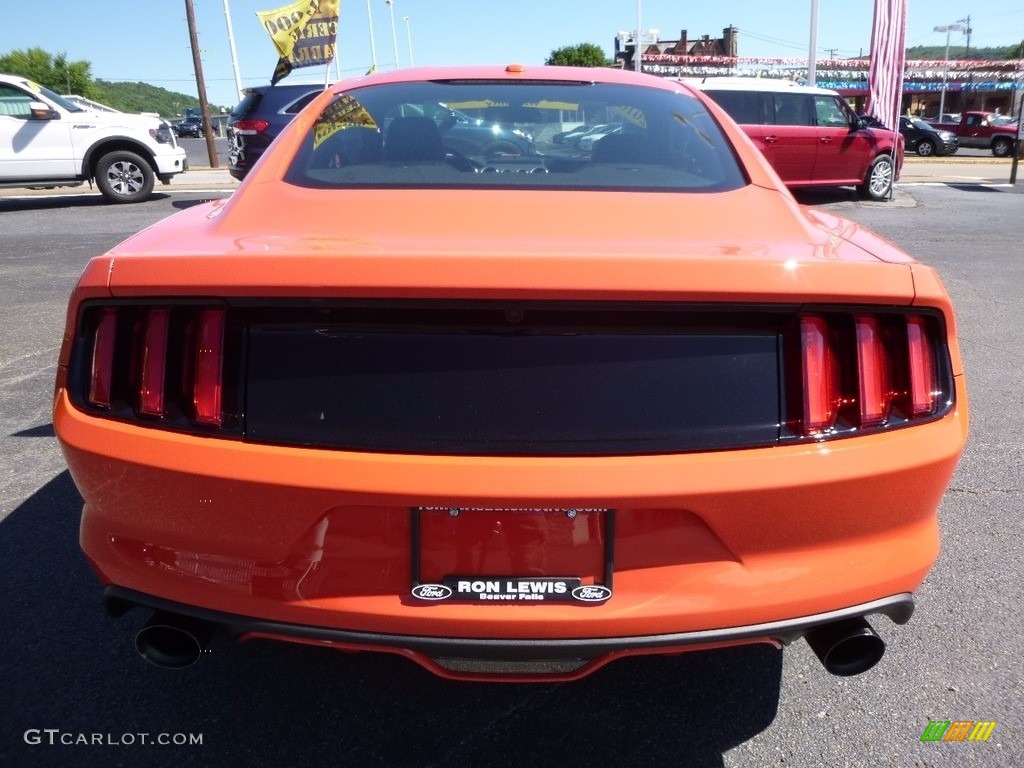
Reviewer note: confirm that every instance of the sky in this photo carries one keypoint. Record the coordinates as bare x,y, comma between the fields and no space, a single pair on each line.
151,43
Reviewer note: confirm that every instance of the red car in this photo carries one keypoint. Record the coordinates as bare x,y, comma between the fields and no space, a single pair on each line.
511,415
811,136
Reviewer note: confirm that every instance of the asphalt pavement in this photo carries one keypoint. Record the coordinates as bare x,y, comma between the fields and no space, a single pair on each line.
70,672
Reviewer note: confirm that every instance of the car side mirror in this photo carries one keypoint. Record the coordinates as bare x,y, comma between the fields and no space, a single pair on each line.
40,111
858,124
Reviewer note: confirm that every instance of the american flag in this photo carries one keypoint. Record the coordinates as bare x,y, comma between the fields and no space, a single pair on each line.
888,56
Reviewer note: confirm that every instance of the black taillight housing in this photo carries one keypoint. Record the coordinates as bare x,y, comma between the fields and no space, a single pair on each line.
173,365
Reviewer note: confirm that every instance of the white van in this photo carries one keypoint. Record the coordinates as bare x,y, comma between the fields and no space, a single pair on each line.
48,141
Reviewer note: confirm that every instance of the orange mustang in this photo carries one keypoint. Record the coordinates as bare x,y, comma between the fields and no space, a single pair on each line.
511,409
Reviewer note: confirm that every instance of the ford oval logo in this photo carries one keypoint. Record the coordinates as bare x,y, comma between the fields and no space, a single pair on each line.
431,592
592,593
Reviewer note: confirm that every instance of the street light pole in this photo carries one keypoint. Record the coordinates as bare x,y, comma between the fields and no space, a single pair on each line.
373,45
638,65
394,35
812,53
945,69
408,34
231,47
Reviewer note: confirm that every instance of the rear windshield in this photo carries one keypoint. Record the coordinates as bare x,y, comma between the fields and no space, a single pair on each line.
522,134
248,103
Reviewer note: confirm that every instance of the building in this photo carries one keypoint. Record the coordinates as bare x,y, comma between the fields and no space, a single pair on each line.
969,84
625,46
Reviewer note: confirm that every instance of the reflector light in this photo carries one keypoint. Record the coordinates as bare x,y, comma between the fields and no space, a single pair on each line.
924,378
102,372
209,356
820,376
874,388
154,363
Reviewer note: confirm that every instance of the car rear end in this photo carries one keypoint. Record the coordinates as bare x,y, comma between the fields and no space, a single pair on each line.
389,422
259,117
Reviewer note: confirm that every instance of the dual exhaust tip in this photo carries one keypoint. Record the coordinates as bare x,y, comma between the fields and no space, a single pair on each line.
846,647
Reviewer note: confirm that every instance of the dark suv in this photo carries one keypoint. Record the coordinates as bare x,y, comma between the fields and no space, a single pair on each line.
259,117
190,127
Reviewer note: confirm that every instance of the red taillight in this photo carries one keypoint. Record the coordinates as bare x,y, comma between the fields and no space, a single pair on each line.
873,380
863,370
153,363
209,357
820,376
102,369
923,376
250,127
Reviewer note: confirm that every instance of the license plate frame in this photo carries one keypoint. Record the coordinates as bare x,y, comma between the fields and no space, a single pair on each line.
514,589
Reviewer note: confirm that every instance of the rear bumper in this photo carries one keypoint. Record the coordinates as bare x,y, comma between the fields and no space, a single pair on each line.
321,538
899,608
488,658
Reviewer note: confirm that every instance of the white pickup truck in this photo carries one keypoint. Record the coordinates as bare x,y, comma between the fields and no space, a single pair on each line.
47,141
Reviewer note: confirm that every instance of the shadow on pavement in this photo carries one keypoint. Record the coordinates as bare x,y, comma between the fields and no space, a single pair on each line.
975,188
67,200
181,205
69,667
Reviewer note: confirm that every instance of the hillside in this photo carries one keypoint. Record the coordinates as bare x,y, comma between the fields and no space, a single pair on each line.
142,97
938,52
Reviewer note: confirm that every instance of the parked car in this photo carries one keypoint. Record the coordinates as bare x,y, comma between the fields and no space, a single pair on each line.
47,141
259,117
470,135
566,137
586,142
572,137
926,140
810,136
189,127
510,424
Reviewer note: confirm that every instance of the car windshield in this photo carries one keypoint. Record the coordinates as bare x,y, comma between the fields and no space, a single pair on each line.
67,104
436,134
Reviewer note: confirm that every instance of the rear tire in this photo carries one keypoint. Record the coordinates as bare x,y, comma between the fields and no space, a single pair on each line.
1002,147
124,177
878,181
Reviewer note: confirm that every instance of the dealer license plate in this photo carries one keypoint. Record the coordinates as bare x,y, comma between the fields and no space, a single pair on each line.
595,527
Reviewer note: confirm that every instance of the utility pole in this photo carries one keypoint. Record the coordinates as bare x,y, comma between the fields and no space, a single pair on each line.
967,29
197,62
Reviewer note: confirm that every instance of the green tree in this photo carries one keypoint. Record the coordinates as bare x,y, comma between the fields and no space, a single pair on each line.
143,97
582,55
961,52
52,71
